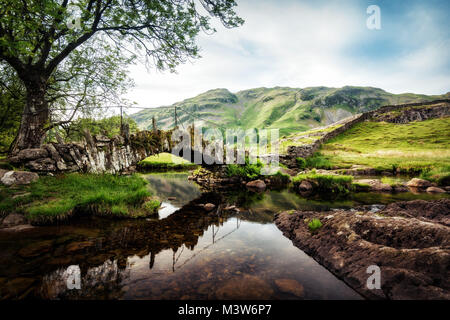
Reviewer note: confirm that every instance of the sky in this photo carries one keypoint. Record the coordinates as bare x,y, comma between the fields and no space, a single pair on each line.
305,43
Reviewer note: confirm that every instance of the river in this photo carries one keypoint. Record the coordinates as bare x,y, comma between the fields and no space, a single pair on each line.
184,253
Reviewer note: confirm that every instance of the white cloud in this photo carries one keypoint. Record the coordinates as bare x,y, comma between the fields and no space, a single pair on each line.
297,44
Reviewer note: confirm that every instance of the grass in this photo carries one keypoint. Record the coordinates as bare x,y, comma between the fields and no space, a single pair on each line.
165,161
393,182
440,175
409,148
51,199
317,161
326,183
314,224
248,171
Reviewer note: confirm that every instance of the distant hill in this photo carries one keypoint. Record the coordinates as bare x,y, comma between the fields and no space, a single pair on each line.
288,109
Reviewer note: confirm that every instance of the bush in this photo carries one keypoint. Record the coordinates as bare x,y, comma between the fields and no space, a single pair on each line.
314,225
246,171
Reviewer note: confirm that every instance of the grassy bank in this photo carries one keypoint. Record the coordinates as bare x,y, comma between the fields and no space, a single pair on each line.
416,147
51,199
324,183
164,162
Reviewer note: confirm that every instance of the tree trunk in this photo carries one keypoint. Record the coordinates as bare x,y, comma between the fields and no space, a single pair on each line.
34,118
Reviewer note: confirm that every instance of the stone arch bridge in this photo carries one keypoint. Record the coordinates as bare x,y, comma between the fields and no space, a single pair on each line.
100,154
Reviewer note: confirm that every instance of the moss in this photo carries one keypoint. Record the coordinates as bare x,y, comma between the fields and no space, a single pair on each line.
314,225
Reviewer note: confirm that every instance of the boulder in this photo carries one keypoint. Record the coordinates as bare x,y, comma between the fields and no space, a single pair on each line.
18,178
32,154
418,183
435,190
305,185
256,184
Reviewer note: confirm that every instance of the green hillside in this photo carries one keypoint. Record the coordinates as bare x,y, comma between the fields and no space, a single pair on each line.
288,109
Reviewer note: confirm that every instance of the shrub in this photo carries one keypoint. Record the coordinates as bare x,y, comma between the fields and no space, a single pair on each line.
152,205
247,171
314,224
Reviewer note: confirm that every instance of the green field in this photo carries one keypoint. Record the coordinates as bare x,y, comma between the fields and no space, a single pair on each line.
165,161
413,147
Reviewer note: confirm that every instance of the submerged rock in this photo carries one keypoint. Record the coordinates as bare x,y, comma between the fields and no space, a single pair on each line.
246,287
290,286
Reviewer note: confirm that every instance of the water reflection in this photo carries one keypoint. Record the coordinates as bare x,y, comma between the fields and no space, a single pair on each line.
186,254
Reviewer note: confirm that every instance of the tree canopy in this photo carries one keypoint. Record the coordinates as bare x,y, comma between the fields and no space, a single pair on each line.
51,42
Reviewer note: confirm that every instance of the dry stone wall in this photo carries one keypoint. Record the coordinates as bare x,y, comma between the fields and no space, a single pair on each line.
392,113
96,154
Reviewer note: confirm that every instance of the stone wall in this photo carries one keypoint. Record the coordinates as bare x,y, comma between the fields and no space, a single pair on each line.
96,154
100,154
408,112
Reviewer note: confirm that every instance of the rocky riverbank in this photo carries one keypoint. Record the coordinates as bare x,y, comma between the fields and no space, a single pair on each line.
409,241
216,179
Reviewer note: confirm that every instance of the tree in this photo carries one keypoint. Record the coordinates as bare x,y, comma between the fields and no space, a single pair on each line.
39,37
11,106
110,127
72,90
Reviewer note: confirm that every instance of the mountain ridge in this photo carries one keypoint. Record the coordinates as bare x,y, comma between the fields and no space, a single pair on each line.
288,109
